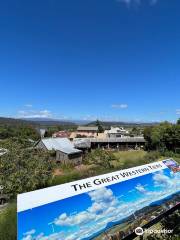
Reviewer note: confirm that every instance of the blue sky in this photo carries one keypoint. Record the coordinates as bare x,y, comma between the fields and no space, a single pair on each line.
89,59
87,213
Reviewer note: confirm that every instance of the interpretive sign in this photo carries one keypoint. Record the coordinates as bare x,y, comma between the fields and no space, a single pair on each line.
101,207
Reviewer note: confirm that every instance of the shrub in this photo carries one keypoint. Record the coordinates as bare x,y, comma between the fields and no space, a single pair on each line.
100,158
8,223
152,156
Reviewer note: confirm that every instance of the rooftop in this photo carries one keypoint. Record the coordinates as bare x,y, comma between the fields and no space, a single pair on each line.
61,144
116,140
87,128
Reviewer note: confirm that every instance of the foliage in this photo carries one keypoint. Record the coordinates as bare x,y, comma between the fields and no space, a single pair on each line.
81,136
8,225
127,159
152,156
100,158
23,169
52,129
100,127
136,131
20,131
163,137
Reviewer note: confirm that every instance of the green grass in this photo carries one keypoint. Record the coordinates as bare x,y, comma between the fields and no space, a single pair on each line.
129,159
121,160
8,222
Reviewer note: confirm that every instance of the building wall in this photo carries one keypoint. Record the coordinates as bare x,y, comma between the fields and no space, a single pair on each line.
87,133
114,135
41,145
65,158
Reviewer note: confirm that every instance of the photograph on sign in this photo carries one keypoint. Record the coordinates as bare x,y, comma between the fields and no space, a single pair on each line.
113,206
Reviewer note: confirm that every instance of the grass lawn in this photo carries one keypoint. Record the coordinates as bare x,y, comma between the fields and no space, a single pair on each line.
8,222
127,159
122,160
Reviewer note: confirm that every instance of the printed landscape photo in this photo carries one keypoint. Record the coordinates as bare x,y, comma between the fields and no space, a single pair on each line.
106,211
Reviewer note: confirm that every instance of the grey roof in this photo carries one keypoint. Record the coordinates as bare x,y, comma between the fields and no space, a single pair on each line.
61,144
120,140
82,143
85,128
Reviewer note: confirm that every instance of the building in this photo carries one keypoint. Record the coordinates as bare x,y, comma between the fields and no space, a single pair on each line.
65,150
82,143
86,131
121,143
61,134
116,132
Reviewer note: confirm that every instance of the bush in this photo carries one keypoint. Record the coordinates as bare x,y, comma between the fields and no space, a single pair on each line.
23,170
152,156
8,223
100,158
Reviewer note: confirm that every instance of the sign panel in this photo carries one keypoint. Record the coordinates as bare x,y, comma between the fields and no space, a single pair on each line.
100,207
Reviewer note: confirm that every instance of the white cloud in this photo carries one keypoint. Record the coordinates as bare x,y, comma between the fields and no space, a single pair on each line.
178,111
141,188
29,235
120,106
31,232
28,105
162,180
34,114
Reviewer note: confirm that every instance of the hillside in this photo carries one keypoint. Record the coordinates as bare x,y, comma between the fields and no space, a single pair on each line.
50,122
15,122
118,124
36,122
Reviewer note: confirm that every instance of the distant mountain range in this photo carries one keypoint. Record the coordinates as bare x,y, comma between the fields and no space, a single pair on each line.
14,121
49,121
125,124
56,122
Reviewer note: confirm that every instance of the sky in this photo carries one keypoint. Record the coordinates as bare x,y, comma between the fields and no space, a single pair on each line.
69,220
87,59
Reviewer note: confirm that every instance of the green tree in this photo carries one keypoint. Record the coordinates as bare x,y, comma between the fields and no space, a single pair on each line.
136,131
100,158
178,121
24,170
19,131
163,137
100,127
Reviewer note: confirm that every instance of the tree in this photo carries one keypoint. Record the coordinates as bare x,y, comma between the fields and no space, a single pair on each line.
135,131
19,131
100,127
100,158
163,137
178,121
23,169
